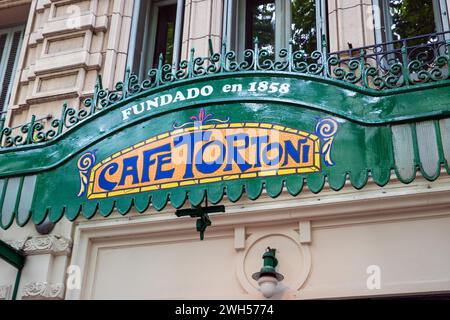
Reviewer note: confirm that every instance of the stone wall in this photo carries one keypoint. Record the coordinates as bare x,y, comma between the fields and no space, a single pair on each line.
67,45
202,21
350,22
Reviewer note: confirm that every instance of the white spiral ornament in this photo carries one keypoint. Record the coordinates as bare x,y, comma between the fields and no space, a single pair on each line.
85,164
327,129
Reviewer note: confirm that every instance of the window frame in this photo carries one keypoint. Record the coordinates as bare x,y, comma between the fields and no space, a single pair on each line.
154,11
234,24
10,31
383,19
148,23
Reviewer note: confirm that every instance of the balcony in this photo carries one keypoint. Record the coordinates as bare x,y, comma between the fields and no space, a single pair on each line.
384,68
401,63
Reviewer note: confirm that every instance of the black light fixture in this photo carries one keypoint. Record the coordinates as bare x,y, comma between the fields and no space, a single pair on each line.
201,213
268,277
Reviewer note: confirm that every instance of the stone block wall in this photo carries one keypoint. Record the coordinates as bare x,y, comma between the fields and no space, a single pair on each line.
67,45
350,22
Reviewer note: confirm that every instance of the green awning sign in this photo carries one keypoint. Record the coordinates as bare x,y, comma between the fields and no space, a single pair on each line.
225,135
198,153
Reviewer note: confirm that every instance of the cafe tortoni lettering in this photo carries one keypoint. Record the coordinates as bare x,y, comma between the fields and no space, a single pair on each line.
207,150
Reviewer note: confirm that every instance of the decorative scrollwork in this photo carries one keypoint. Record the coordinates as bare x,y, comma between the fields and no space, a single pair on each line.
43,291
400,63
85,164
201,119
326,130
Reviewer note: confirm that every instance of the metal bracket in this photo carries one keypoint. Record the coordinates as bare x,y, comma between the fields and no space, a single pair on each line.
202,213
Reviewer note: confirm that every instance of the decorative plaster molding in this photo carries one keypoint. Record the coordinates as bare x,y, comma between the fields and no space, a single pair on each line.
239,238
297,278
305,232
5,292
49,244
43,290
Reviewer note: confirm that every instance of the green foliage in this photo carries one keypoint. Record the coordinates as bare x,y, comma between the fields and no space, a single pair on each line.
304,31
411,18
264,25
303,24
168,55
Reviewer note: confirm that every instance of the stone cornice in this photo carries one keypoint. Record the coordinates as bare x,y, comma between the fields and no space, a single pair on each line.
43,290
50,244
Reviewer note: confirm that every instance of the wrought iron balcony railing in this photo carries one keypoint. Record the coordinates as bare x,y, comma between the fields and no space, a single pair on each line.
383,67
394,64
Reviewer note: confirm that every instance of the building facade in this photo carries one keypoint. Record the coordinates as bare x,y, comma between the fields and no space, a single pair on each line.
331,119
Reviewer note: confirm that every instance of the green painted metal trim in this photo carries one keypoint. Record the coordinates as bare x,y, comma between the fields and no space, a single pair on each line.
364,152
11,256
442,160
364,145
378,163
14,258
16,284
404,106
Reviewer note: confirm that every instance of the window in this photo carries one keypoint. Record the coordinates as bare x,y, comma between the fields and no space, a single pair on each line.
260,23
402,19
10,44
157,31
274,23
165,33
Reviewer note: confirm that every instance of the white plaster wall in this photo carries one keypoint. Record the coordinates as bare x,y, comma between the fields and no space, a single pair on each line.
202,21
350,21
183,270
403,230
413,257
